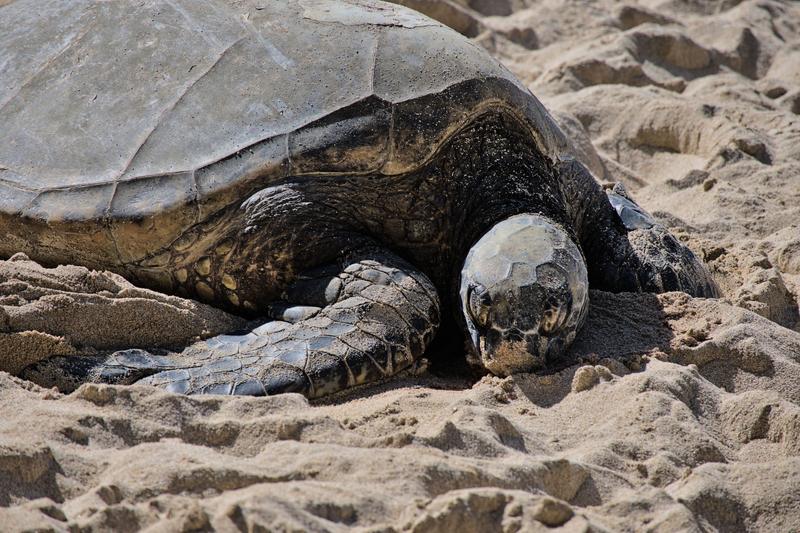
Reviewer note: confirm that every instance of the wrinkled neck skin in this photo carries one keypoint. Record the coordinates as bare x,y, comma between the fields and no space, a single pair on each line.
502,175
484,174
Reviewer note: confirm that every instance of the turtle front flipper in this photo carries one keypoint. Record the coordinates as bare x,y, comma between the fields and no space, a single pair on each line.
361,320
626,249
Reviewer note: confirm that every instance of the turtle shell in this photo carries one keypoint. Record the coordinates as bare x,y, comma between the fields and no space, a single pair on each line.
125,123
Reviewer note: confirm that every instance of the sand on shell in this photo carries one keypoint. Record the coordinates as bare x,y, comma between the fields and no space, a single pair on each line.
671,413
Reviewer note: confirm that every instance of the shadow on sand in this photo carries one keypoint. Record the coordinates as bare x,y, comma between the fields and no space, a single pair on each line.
619,329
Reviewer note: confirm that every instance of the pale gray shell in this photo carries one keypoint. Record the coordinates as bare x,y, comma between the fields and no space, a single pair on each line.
114,111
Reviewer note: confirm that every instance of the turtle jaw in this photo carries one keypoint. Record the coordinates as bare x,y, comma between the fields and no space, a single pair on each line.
523,293
503,354
508,352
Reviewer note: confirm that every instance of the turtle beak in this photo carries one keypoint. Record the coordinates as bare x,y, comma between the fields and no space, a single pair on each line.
476,341
472,331
508,352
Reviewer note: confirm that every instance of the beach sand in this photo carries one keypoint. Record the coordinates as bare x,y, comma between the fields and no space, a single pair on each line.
672,414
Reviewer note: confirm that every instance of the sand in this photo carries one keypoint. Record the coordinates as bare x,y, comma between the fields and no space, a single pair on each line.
670,414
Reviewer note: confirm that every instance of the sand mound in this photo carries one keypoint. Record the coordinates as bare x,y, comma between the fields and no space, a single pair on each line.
70,310
691,445
670,414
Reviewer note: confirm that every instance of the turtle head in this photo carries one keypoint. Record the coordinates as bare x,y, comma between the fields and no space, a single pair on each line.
524,293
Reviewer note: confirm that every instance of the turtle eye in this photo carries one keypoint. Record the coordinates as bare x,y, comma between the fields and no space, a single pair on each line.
551,320
479,302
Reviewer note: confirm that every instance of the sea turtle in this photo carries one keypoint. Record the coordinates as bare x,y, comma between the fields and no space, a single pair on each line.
352,170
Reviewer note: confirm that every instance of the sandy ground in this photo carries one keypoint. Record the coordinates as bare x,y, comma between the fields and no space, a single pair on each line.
676,414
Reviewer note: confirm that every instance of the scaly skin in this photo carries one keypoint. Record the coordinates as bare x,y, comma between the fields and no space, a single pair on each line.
326,251
640,256
381,316
249,253
275,244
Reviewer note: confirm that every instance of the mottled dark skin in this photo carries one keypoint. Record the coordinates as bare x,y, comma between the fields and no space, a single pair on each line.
360,271
484,174
621,259
354,177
